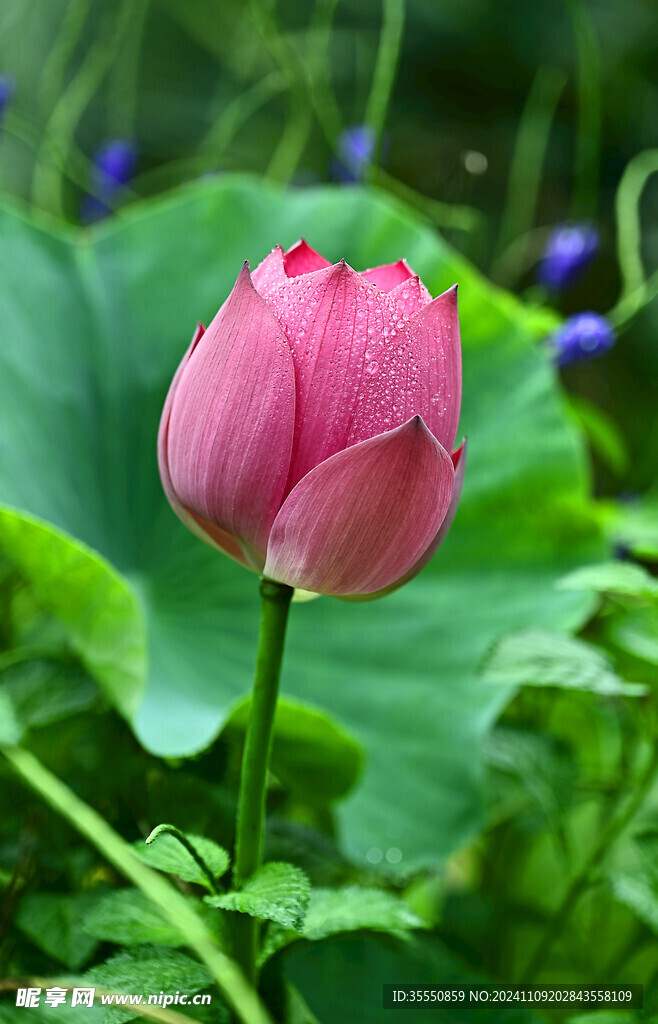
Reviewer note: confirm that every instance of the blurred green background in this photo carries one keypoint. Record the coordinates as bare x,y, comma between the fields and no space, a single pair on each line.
517,825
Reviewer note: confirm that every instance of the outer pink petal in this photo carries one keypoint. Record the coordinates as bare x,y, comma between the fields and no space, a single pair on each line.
459,462
416,370
201,528
302,259
364,517
389,275
231,424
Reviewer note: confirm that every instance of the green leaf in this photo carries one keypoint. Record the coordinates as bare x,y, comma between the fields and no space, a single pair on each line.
622,578
43,690
128,918
634,524
88,596
602,433
354,907
83,376
637,633
312,755
145,970
538,768
276,892
297,1011
11,730
54,922
167,853
638,890
538,658
348,909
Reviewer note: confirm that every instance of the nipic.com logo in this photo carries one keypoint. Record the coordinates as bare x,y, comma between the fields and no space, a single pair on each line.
30,998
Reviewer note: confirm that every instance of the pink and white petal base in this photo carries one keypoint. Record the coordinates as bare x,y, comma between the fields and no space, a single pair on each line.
459,462
230,429
362,519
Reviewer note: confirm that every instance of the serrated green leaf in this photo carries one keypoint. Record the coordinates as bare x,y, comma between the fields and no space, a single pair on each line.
355,907
612,578
312,755
537,657
127,918
349,909
148,969
277,892
54,922
166,853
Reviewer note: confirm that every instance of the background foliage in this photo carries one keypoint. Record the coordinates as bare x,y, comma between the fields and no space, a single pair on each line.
468,788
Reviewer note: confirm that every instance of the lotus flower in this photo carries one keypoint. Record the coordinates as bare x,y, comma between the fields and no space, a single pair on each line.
307,432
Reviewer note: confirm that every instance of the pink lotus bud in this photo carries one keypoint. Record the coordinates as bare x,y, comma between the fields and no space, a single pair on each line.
307,431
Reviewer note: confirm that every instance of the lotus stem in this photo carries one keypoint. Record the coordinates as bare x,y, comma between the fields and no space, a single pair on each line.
275,603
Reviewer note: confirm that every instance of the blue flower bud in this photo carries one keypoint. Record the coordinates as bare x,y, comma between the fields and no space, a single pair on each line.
569,251
7,89
113,166
581,337
355,150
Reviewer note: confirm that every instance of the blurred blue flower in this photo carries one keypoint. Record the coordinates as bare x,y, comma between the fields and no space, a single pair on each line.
7,89
569,251
113,166
354,152
581,337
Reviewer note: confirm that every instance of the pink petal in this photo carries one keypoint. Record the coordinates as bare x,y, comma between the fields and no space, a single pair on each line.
230,430
364,517
410,296
334,321
389,275
459,462
301,259
206,531
270,273
416,370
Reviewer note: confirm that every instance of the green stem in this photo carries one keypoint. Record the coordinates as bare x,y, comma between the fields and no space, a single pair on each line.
530,148
636,290
275,603
174,907
59,133
588,134
388,55
583,879
294,137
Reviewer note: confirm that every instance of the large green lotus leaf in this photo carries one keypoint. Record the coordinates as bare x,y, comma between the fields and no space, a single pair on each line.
92,327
